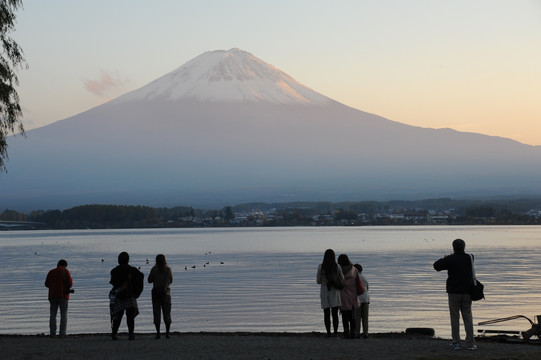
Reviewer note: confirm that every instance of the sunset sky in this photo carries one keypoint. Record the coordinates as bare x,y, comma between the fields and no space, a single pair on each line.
470,65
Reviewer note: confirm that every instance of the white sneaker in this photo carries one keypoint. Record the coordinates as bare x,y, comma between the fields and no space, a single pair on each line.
472,347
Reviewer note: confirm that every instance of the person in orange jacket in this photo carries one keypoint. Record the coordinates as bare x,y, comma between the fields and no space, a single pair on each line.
59,282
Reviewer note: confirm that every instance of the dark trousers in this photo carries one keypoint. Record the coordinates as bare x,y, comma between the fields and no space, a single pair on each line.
130,320
57,303
349,323
327,319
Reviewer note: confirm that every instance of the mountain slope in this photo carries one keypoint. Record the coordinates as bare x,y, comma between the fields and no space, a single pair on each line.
183,140
233,75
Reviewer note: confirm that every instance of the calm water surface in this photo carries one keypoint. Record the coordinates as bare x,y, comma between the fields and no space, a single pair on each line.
263,279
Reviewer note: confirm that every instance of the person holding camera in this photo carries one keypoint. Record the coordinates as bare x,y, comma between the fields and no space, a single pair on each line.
459,266
59,282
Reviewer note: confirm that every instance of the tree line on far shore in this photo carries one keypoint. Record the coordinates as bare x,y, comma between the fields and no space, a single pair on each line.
448,211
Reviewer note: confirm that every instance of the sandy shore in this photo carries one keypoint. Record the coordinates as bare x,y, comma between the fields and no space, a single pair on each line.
256,346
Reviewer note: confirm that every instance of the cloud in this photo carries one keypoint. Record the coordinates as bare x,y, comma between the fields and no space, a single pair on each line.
104,85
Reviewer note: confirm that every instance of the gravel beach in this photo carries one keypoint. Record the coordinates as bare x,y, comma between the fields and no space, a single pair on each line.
257,346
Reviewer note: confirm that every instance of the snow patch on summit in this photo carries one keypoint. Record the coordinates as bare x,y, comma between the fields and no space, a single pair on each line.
232,76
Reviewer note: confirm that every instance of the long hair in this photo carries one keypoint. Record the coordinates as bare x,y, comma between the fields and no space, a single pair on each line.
161,262
329,263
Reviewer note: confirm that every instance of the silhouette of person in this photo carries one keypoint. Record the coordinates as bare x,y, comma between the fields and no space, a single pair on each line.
59,282
459,285
361,313
330,276
348,295
161,277
123,296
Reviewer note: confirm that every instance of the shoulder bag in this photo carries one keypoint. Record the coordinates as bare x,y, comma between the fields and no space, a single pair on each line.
359,288
477,289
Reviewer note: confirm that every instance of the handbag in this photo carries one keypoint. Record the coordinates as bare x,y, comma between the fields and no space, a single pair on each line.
477,292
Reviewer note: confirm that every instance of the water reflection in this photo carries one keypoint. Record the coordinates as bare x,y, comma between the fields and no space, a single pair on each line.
264,279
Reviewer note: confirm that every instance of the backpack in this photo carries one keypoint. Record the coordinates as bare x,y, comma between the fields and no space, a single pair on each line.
137,281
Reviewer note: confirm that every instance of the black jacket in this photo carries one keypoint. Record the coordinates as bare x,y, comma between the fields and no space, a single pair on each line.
131,276
459,271
121,274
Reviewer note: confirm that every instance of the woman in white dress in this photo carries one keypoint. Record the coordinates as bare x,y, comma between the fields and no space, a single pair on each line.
330,276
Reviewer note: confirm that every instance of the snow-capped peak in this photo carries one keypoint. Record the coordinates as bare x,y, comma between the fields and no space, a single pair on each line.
233,76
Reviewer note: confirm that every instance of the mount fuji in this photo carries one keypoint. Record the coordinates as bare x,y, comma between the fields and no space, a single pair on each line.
228,128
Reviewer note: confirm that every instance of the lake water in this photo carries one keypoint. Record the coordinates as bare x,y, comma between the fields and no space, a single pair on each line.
263,279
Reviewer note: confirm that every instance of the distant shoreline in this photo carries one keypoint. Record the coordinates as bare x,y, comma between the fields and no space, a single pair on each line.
443,211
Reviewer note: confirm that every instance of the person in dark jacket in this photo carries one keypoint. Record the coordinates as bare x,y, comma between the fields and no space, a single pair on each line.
123,297
459,286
